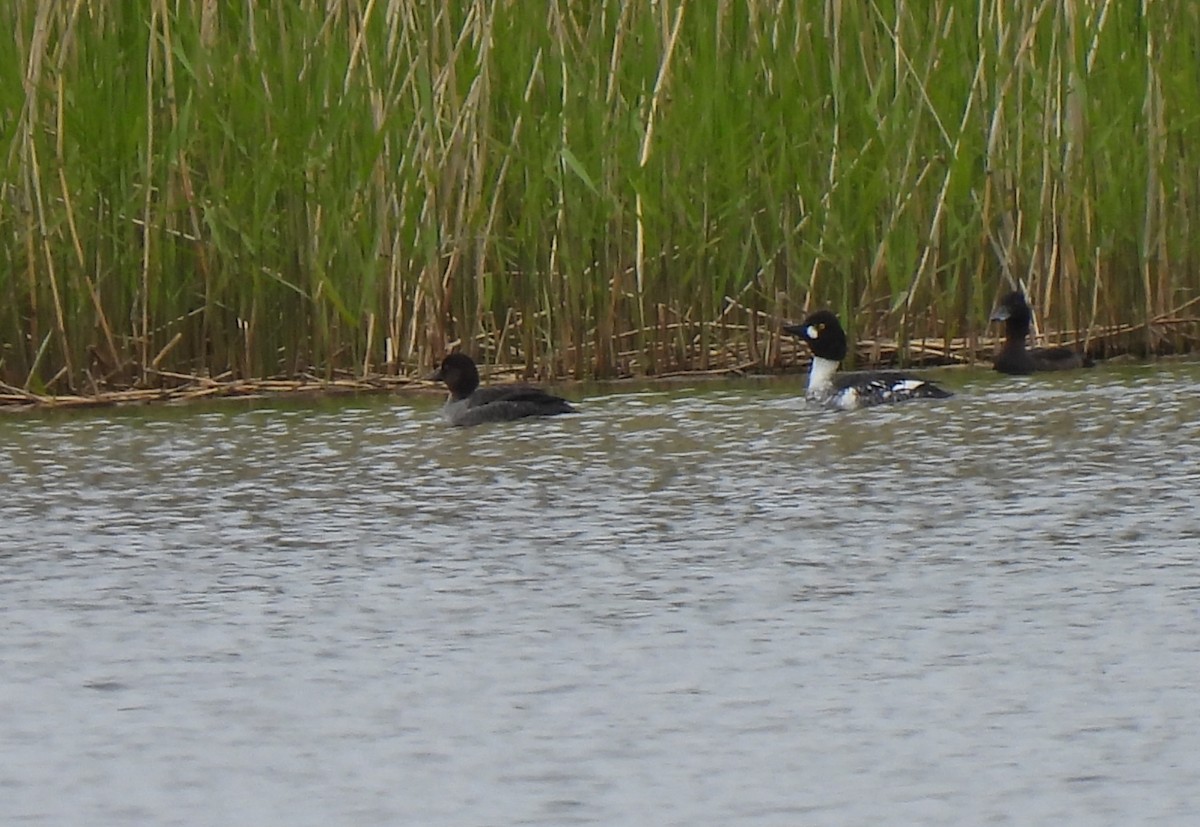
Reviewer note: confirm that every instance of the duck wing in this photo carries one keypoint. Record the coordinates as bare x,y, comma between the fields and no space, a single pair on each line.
880,387
504,403
519,394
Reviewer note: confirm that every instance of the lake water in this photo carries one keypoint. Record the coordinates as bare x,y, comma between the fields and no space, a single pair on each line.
700,605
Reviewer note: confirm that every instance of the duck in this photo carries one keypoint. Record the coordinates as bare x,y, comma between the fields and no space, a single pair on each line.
469,404
1013,357
848,391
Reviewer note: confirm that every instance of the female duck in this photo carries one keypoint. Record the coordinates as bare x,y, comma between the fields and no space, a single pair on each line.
470,404
1014,358
847,391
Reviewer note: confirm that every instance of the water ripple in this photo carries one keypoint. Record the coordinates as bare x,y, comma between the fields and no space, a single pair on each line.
686,605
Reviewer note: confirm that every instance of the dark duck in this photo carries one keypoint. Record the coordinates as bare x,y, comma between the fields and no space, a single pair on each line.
1014,358
848,391
469,404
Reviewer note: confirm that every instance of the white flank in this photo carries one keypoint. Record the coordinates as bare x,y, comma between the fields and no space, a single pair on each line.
847,400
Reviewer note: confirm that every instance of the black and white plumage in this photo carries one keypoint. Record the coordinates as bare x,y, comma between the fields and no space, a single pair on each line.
848,391
1013,357
470,404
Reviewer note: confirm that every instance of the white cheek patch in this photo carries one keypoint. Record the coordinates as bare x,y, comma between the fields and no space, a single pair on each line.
811,331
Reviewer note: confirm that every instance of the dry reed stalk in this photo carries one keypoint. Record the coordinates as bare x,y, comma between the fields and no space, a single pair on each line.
935,225
1152,232
196,388
644,157
35,187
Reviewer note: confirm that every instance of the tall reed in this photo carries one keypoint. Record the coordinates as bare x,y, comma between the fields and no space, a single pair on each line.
585,188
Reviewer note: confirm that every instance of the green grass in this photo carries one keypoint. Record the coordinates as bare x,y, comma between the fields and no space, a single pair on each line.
587,189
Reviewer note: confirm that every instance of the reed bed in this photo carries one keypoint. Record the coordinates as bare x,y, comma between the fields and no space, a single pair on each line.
589,189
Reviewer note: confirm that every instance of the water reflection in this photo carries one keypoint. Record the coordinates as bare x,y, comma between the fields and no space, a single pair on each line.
700,605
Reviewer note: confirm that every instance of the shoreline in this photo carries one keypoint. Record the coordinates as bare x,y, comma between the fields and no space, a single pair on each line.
191,389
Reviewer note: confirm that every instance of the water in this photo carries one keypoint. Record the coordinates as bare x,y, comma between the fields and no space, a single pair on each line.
694,606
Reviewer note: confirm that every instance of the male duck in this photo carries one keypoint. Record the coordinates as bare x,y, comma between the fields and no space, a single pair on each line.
848,391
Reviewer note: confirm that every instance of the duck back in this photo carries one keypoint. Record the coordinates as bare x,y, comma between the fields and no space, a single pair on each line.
1016,360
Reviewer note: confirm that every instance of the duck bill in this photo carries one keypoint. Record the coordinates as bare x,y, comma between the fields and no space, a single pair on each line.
1000,314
